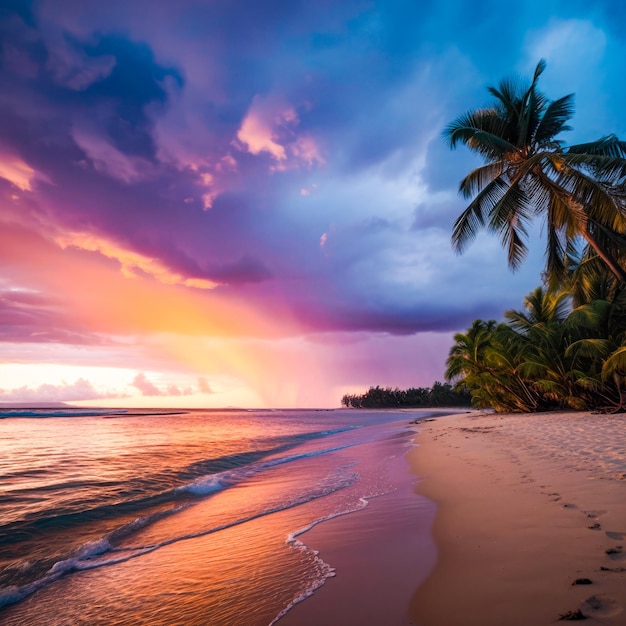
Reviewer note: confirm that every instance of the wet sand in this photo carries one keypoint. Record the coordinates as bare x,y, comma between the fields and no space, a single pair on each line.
380,554
527,507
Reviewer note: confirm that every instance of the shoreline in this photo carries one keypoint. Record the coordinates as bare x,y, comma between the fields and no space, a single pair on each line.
378,553
527,505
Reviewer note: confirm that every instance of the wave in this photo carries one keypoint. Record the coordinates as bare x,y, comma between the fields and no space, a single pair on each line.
85,412
60,412
106,550
198,479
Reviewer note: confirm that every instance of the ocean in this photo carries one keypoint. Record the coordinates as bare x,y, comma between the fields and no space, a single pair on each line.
194,517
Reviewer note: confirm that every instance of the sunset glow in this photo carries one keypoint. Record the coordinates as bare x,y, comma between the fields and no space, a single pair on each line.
201,206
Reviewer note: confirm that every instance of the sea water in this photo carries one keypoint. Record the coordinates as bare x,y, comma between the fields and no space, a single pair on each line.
195,517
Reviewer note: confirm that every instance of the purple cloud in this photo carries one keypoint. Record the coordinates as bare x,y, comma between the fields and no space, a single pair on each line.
290,157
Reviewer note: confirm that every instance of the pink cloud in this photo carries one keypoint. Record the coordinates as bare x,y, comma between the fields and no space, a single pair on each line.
270,126
203,385
145,386
305,149
81,389
19,173
257,132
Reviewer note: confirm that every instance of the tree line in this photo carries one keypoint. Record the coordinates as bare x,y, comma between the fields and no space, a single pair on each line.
440,394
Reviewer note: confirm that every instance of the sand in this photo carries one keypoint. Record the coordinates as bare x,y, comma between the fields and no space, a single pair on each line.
527,505
380,554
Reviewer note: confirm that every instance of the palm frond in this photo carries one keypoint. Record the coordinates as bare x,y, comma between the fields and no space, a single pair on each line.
615,364
597,199
478,178
607,169
481,131
468,224
590,348
539,70
556,256
508,217
554,119
590,315
609,146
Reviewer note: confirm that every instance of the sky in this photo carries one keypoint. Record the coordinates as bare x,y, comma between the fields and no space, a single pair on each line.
221,203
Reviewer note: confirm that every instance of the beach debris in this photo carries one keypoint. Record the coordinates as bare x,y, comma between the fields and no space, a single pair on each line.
614,551
582,581
595,526
572,616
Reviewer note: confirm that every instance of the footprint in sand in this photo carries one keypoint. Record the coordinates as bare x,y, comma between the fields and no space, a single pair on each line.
616,536
619,570
600,606
616,553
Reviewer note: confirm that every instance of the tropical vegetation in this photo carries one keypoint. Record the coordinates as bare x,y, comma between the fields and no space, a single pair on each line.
528,171
440,394
567,348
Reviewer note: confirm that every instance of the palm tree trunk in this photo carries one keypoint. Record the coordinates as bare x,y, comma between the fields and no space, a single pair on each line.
617,271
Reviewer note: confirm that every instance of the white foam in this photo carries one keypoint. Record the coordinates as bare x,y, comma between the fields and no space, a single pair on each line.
12,594
324,570
204,486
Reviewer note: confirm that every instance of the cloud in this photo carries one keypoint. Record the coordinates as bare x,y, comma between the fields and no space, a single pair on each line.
17,172
107,159
203,385
132,263
31,317
257,130
260,174
145,386
71,67
270,126
81,389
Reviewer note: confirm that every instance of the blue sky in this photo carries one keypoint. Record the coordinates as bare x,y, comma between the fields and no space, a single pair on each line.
217,203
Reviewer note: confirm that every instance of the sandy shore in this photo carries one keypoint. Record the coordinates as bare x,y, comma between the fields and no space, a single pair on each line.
528,506
380,553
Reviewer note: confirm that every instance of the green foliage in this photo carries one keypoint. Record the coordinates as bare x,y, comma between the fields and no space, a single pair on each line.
529,172
563,351
567,348
440,394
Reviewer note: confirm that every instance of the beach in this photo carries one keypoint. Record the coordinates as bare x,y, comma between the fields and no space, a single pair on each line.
531,519
502,519
301,518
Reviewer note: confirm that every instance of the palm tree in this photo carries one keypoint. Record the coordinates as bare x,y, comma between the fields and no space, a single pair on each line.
546,336
483,361
528,171
599,348
467,355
